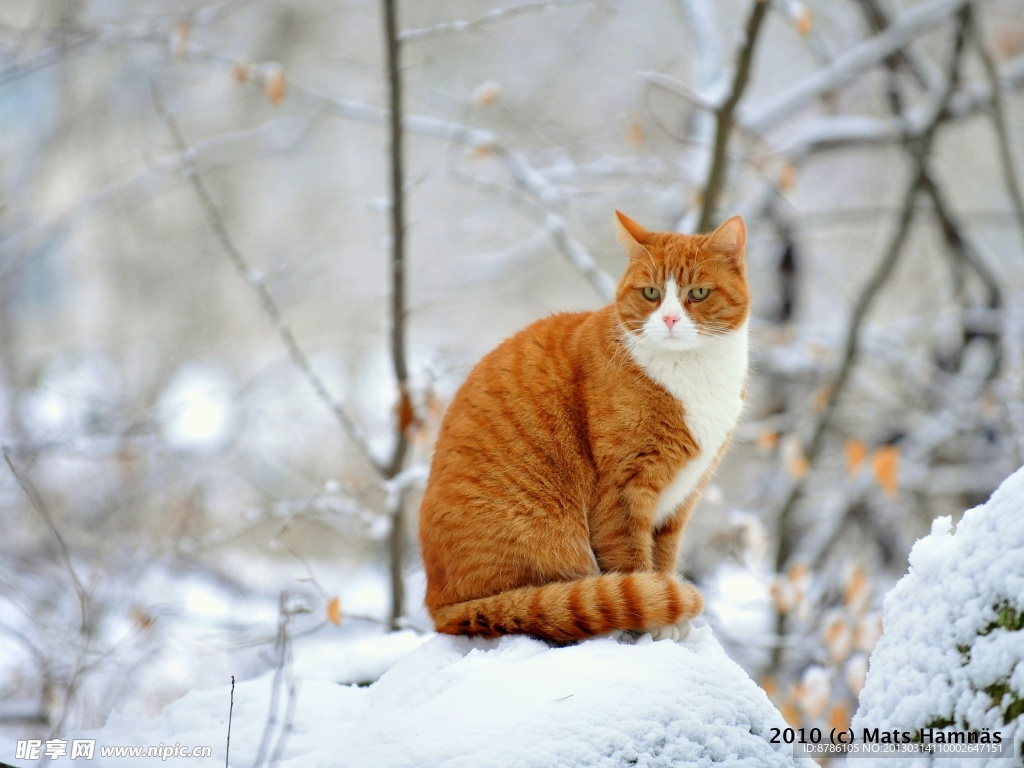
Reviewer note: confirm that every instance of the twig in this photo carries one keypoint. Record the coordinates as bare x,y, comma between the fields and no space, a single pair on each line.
997,112
961,247
289,723
255,282
495,16
37,503
231,712
724,115
683,90
284,617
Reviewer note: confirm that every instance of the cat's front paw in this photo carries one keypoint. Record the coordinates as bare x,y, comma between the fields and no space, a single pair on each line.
676,632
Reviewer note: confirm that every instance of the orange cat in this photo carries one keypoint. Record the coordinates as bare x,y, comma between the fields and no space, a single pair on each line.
571,457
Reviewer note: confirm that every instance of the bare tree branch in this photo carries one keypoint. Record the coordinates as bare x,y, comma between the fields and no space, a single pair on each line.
65,555
254,281
998,114
404,415
397,210
919,147
724,115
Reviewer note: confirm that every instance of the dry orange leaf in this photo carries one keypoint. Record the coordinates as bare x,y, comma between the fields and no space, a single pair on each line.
781,592
790,713
793,456
769,686
856,452
486,93
822,398
856,590
798,467
768,440
798,573
274,82
803,21
869,629
406,414
839,717
1009,40
886,462
635,134
179,39
813,692
241,71
856,672
334,611
787,176
838,639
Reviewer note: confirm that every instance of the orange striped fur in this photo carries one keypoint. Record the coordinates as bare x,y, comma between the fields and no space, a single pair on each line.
569,460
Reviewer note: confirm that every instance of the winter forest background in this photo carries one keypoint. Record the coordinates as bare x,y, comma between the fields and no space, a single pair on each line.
217,405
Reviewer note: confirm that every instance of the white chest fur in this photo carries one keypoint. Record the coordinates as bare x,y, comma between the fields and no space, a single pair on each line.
708,381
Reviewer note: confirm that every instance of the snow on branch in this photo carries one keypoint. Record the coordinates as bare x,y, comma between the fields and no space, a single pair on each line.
997,111
280,134
848,65
494,17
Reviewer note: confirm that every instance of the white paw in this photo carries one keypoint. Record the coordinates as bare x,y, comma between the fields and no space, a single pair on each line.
675,632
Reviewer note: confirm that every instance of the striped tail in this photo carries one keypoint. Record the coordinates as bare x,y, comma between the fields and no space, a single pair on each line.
574,610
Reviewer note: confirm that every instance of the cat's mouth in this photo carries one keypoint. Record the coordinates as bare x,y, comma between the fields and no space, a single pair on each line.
672,339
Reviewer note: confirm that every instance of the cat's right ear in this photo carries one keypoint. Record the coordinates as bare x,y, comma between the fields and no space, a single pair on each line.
631,235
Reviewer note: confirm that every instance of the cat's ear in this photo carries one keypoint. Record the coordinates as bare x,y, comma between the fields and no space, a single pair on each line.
728,241
631,235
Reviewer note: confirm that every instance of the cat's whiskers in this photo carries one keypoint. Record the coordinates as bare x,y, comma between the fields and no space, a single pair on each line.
627,343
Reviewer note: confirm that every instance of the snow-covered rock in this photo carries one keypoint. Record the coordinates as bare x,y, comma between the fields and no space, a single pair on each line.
951,657
511,702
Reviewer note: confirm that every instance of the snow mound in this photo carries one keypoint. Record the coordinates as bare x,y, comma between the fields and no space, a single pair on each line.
951,657
515,701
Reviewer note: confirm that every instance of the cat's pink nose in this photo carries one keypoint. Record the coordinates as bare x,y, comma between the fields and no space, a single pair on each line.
670,320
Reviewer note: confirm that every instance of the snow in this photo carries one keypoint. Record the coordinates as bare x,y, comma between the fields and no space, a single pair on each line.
942,646
455,701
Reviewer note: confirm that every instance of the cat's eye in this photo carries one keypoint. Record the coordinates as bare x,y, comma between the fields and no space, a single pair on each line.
699,294
651,293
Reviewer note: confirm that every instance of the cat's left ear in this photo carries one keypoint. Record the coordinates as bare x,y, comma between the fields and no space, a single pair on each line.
728,241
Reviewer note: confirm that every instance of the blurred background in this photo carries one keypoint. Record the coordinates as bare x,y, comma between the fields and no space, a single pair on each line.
213,445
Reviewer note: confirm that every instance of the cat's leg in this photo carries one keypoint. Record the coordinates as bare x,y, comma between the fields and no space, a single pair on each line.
621,529
666,555
667,537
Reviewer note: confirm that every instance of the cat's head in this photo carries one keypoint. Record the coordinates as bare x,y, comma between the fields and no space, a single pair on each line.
682,292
